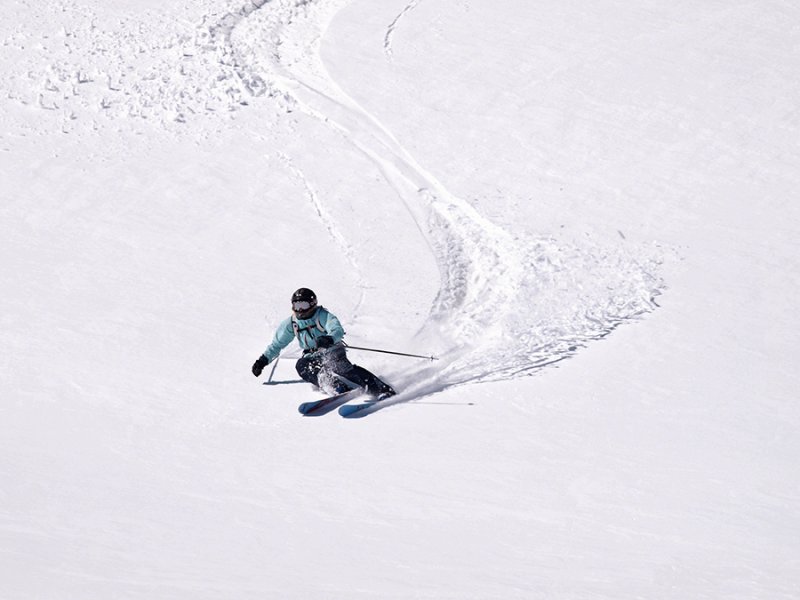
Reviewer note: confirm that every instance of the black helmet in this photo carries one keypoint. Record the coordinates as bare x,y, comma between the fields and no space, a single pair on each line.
304,301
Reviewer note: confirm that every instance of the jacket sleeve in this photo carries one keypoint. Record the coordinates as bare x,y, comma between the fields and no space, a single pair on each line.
283,336
333,327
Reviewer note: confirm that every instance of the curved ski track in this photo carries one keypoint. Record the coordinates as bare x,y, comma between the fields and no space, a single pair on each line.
387,39
506,307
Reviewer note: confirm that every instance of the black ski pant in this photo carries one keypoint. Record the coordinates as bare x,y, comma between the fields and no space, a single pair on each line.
331,368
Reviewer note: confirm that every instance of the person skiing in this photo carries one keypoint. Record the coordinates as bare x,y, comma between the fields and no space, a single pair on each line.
324,362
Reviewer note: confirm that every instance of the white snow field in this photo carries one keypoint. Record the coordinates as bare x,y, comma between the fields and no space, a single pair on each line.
587,210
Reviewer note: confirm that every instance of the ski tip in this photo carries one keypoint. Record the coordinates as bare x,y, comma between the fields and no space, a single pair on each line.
354,411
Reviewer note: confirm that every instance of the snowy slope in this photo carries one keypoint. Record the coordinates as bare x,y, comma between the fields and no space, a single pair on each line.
583,209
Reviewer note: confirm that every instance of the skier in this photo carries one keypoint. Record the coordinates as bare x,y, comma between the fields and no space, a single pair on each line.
324,362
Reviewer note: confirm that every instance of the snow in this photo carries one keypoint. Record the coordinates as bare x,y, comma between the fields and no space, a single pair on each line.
583,208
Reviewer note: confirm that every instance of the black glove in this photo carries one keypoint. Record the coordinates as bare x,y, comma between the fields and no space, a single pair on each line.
259,365
324,341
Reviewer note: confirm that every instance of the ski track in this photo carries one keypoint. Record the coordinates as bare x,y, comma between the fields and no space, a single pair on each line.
506,307
390,31
331,227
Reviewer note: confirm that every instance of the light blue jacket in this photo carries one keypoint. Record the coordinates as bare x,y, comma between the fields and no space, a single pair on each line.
306,331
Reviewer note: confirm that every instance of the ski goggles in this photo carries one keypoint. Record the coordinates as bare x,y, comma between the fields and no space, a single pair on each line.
302,305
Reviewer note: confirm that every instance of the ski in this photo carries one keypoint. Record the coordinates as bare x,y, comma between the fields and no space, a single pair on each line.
318,408
356,411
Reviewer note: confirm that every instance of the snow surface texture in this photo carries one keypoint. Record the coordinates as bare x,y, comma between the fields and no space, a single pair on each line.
500,184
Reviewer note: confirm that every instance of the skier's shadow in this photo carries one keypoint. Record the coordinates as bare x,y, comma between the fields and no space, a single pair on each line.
283,382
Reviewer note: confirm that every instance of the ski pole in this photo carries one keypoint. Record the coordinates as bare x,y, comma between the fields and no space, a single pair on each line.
274,366
390,352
